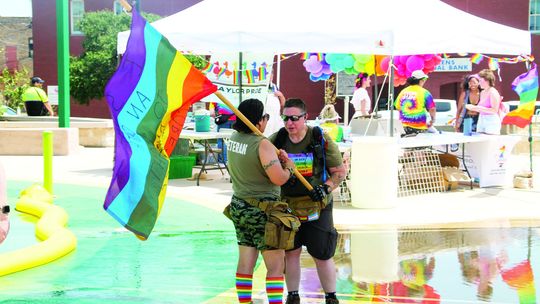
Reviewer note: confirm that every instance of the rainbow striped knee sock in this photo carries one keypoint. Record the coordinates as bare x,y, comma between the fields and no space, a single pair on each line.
274,289
243,287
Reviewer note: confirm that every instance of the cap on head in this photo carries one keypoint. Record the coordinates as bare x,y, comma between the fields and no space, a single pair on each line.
36,79
329,113
419,74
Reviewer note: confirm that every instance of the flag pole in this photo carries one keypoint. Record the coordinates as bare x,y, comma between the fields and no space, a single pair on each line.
126,5
256,131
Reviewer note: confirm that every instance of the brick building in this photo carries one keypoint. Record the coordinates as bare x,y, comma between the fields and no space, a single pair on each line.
15,35
295,82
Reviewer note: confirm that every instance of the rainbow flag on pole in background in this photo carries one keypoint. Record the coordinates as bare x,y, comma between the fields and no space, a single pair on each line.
149,96
526,85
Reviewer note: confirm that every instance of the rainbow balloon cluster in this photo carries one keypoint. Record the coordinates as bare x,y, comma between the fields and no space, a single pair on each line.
321,66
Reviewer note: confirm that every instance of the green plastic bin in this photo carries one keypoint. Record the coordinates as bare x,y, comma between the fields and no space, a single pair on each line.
181,166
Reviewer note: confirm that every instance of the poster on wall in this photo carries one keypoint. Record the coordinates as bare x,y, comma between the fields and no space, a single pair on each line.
52,94
224,71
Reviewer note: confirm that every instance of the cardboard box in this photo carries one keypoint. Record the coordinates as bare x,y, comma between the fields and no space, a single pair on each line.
453,177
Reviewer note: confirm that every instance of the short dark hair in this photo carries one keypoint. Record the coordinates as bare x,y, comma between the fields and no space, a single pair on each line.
253,110
295,103
412,81
465,83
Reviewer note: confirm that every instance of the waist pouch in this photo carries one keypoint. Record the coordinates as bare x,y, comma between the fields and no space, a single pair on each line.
281,225
305,209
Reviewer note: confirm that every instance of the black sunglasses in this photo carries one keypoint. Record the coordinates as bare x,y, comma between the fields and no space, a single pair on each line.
266,116
292,117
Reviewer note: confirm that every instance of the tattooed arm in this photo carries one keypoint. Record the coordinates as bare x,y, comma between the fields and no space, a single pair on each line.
337,175
271,164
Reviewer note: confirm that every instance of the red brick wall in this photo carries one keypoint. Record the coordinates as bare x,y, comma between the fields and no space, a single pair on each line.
294,79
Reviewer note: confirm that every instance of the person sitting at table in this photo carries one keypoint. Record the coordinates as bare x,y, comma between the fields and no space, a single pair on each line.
489,105
470,94
330,119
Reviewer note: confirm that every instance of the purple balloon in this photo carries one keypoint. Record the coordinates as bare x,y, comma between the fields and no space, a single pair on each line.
313,65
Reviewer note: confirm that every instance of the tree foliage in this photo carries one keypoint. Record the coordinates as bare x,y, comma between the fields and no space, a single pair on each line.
90,71
12,86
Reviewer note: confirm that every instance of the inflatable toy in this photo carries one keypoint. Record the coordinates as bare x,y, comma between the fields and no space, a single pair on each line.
56,240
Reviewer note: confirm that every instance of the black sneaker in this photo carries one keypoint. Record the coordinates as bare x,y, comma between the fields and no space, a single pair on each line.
332,301
293,299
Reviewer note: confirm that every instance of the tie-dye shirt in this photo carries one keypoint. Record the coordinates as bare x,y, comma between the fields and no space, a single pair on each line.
412,104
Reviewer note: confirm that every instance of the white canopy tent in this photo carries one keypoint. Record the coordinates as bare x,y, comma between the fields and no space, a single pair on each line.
385,27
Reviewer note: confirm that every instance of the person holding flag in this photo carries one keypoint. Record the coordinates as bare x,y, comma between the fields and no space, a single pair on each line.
256,174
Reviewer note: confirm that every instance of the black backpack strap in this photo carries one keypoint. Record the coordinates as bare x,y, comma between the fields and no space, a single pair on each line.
319,146
280,139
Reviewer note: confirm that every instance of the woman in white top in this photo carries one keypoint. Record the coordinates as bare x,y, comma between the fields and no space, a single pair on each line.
360,99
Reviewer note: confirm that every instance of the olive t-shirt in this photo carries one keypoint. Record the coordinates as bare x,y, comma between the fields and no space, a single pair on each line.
249,179
303,157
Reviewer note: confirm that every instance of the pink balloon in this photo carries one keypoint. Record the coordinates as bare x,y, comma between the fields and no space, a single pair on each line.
430,64
427,57
384,63
415,63
401,71
437,59
403,59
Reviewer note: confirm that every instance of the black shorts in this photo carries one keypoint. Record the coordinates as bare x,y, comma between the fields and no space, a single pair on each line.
319,237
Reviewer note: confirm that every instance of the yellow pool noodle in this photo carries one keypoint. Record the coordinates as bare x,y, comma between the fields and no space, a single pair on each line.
57,241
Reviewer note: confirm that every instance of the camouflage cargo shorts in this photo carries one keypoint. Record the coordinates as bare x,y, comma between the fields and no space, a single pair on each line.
249,224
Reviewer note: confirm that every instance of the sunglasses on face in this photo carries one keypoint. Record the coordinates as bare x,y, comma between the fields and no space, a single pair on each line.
292,117
266,116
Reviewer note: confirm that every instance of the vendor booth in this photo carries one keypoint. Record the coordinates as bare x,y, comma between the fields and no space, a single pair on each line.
394,27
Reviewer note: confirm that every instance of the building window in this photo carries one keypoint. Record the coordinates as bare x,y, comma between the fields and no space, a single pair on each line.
76,15
534,16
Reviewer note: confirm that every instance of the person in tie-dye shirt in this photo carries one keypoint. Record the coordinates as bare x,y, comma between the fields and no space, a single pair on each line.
414,103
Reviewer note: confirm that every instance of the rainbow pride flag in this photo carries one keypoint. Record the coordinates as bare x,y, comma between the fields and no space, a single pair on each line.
477,58
149,96
526,86
521,278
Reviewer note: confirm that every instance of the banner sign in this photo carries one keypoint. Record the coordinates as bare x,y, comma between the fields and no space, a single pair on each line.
224,71
454,65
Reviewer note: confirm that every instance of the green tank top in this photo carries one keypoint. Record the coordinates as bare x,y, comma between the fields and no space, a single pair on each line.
249,180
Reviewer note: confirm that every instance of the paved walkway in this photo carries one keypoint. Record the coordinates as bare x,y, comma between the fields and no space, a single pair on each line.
461,208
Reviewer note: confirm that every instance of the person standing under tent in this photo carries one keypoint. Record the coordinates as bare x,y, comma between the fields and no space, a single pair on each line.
470,94
256,175
360,100
489,105
413,102
318,159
